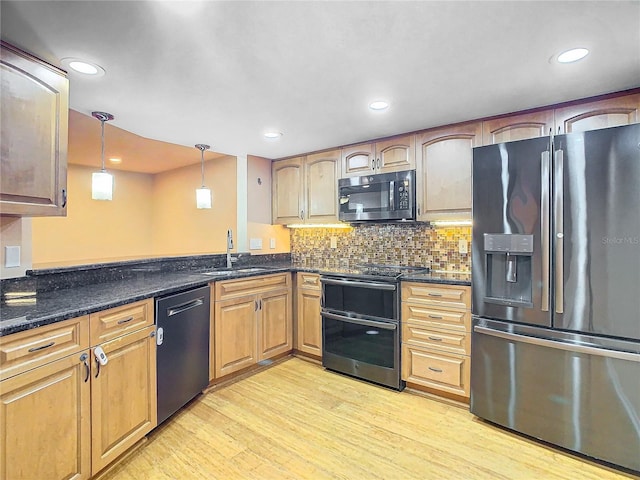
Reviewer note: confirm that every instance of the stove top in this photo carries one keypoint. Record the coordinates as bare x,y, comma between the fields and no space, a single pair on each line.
379,271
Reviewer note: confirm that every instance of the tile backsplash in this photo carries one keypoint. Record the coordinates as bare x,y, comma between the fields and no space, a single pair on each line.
397,244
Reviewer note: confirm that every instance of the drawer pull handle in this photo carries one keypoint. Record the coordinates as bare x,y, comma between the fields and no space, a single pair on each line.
437,370
437,317
435,339
42,347
435,294
125,320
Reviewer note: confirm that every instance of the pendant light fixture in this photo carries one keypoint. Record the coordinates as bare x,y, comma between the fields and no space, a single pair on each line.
102,182
203,194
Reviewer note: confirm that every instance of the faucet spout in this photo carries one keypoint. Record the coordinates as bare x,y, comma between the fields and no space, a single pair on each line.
229,247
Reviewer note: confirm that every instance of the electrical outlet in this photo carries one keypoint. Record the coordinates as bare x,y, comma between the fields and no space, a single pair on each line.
463,246
272,243
12,256
334,242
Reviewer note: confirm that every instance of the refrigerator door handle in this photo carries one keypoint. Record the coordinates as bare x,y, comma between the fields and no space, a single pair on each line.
558,180
544,228
570,347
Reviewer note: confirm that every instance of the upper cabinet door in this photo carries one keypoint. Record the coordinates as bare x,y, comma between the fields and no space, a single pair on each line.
287,192
35,110
517,127
601,114
443,171
396,154
321,175
358,160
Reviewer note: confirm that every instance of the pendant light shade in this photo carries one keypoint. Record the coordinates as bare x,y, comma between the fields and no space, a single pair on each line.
203,194
102,181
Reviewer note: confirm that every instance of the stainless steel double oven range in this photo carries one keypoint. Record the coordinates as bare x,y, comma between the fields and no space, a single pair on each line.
361,323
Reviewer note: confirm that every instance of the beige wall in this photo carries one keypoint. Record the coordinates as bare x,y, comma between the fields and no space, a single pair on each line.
96,230
150,215
179,228
259,208
15,232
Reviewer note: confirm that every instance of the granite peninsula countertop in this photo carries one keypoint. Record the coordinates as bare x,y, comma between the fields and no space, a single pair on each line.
68,301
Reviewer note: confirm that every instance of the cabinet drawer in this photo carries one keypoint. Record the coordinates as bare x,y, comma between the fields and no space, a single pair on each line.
449,296
308,280
437,338
112,323
23,351
441,371
251,285
429,317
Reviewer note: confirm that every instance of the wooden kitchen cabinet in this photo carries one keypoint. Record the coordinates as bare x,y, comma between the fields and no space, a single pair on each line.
34,111
45,430
385,156
123,396
610,112
443,171
252,321
517,127
308,318
305,189
235,335
436,338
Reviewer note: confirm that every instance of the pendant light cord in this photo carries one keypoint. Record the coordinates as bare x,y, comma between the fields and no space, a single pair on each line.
102,122
202,164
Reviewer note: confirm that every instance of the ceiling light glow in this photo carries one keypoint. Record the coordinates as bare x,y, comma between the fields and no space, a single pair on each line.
82,66
272,135
379,105
115,160
573,55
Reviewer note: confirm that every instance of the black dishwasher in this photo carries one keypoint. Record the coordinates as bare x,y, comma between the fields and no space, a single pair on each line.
183,348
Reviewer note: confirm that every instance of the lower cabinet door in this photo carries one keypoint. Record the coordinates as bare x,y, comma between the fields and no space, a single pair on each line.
123,396
45,426
235,334
275,328
309,322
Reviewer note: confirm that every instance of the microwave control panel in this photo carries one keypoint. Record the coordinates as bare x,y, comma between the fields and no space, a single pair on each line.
403,195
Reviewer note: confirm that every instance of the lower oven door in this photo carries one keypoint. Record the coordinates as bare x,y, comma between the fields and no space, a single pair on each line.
364,348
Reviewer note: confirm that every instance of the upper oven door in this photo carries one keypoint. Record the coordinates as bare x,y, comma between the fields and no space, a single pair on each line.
361,298
388,196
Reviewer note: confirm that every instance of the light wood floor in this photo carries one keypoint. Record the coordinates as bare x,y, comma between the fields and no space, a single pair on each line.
296,421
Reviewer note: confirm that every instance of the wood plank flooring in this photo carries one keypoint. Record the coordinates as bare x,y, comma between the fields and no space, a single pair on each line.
298,421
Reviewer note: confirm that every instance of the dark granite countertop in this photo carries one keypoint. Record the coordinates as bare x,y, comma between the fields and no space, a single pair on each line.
56,305
66,300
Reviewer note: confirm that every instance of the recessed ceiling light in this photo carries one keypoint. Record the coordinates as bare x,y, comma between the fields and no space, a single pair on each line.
272,135
82,66
573,55
115,160
379,105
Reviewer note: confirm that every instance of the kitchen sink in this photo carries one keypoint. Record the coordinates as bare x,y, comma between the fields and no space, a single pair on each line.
235,270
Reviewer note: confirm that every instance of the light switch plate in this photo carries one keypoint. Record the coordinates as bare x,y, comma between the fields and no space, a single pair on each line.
272,243
462,246
12,256
255,244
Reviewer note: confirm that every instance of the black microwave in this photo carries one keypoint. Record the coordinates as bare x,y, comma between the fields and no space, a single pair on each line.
382,197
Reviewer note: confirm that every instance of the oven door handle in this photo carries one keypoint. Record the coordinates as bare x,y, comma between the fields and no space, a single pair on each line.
361,321
357,283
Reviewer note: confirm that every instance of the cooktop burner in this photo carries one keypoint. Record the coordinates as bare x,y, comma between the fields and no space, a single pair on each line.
374,270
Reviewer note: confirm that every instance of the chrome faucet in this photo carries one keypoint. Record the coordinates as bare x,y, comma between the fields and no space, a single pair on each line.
230,260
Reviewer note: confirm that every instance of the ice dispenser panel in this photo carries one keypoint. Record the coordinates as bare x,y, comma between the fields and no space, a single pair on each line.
508,269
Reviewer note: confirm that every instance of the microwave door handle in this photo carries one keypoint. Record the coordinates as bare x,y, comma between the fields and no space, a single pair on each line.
392,195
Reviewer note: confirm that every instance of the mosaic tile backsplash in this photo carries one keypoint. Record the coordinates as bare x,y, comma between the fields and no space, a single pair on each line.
417,244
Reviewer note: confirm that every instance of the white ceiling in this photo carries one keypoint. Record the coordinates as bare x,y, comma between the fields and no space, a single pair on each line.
224,72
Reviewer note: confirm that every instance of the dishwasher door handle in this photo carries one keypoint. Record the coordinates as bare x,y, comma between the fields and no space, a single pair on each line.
183,307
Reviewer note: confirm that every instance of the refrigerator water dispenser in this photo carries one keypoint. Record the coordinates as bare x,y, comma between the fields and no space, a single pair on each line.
508,269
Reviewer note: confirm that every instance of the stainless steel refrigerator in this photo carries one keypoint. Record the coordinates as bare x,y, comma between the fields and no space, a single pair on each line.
556,290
